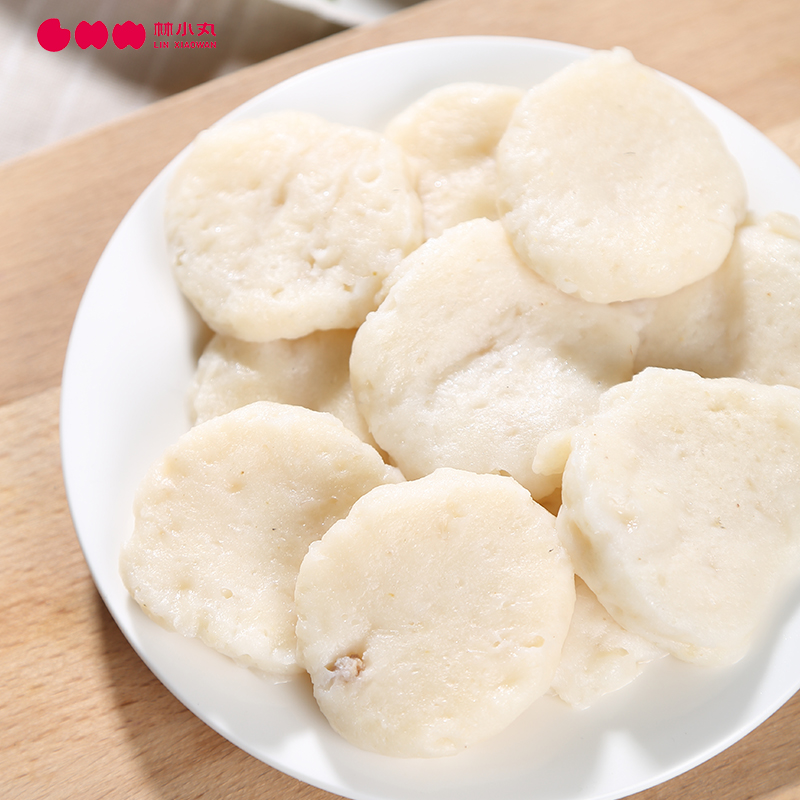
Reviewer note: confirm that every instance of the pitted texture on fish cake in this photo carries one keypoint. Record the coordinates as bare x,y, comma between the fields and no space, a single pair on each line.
742,321
224,519
472,358
599,656
434,613
451,134
680,508
613,185
313,372
287,224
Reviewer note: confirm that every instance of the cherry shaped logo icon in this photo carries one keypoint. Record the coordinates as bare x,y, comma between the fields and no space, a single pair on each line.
129,33
52,36
95,35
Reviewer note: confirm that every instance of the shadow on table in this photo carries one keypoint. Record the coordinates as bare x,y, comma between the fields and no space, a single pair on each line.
181,756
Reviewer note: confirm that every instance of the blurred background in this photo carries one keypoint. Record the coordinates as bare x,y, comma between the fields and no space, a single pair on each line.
47,96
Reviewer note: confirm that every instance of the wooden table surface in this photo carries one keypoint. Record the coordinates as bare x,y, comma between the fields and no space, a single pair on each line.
80,714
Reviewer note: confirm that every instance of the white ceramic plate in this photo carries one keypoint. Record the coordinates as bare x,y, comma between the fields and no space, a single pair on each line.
129,362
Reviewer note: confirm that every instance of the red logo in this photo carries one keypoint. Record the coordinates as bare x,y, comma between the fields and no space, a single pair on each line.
95,35
128,34
52,36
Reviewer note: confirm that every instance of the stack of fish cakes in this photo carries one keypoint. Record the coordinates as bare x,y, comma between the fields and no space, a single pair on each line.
461,437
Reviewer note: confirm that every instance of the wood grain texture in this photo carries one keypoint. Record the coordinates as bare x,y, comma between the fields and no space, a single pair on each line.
82,717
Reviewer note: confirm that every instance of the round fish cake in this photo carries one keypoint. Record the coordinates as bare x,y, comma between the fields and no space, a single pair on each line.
613,185
451,134
599,656
742,321
224,519
681,508
313,371
287,224
434,613
472,358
